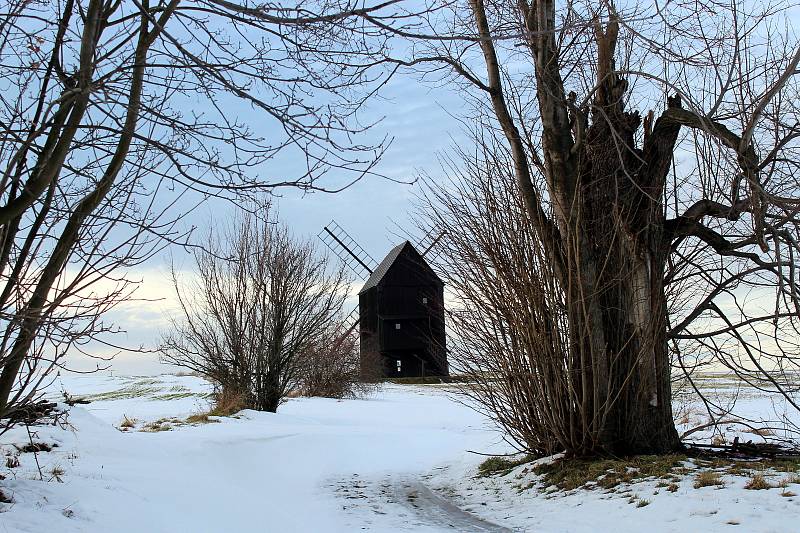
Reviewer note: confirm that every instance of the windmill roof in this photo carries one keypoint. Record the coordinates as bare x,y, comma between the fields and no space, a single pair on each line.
383,267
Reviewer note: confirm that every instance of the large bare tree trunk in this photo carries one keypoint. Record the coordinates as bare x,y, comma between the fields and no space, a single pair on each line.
605,239
611,224
615,225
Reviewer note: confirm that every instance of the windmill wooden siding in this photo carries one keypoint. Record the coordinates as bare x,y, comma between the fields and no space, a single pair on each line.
401,309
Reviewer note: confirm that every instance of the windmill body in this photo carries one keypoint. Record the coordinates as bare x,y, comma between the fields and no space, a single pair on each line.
400,313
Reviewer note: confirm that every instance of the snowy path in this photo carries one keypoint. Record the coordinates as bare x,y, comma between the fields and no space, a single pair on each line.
262,472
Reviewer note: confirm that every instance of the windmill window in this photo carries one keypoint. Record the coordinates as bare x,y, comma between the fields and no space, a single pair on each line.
397,326
424,300
399,365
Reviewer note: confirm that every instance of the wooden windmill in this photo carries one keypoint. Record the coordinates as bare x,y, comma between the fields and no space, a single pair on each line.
400,313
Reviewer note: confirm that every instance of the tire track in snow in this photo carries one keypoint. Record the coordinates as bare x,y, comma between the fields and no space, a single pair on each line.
408,502
436,510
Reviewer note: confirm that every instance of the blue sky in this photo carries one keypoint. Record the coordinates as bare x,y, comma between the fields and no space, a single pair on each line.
418,118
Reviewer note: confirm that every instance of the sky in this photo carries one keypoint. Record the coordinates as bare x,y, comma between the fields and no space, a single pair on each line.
419,118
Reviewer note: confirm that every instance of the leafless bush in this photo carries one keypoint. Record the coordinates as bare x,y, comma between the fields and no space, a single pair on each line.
263,300
372,367
331,368
507,318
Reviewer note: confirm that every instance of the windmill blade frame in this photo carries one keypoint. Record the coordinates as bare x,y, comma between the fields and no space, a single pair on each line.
349,252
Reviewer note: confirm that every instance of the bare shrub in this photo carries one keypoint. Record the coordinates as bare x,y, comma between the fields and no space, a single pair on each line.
262,300
508,317
372,367
331,367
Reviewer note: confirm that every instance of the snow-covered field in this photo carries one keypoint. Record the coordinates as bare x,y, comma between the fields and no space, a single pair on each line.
400,460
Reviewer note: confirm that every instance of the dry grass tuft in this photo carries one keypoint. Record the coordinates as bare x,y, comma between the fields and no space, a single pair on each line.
708,478
57,474
227,403
758,482
36,447
793,479
718,440
201,418
762,432
157,426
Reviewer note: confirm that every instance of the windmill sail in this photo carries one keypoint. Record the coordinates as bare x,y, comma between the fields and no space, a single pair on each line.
354,257
425,246
349,252
431,242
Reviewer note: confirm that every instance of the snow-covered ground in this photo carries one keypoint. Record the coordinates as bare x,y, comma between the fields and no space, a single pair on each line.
400,460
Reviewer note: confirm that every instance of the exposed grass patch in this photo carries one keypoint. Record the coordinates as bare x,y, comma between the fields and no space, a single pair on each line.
708,478
151,388
201,418
758,482
643,503
157,426
135,390
429,380
569,474
786,465
746,468
174,396
12,461
501,465
788,494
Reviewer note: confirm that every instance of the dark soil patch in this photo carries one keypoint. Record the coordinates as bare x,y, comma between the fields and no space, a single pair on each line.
36,447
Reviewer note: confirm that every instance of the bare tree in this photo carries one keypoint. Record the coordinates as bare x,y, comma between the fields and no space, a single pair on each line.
670,236
261,304
118,117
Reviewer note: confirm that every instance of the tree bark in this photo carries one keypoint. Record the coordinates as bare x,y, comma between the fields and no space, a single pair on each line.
617,305
608,225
